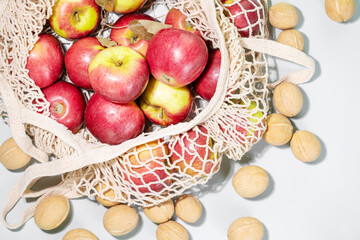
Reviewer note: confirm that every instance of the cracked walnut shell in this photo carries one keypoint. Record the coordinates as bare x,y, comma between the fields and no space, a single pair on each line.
160,213
279,130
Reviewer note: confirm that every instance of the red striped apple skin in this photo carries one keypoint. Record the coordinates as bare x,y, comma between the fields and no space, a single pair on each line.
176,57
148,161
113,123
67,104
125,37
178,20
195,155
78,59
74,19
45,61
120,74
205,86
245,21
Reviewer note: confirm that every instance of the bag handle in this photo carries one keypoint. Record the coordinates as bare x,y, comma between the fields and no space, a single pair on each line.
14,197
285,52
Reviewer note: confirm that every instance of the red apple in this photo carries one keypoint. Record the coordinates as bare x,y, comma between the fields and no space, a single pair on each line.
245,15
78,59
193,153
125,37
73,19
120,74
176,57
205,86
45,61
128,6
113,123
67,104
165,105
146,167
178,20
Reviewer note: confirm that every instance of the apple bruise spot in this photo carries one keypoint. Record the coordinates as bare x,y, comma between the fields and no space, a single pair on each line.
168,78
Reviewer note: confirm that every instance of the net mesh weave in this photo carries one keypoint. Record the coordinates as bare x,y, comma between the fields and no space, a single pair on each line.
154,172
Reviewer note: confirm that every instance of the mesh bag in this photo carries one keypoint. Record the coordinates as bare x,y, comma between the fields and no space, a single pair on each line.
161,163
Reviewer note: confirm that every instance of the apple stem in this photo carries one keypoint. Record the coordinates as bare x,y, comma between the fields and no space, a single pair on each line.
77,17
161,114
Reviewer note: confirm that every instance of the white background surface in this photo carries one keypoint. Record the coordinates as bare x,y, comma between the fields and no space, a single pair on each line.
319,201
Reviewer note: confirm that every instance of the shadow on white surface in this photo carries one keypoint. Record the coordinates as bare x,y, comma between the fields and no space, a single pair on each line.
306,106
255,154
356,16
266,233
301,18
217,182
20,170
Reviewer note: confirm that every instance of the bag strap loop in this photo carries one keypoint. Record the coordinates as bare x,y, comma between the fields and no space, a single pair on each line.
285,52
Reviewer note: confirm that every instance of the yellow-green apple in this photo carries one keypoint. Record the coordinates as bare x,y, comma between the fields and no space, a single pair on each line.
165,105
73,19
176,57
193,153
78,59
67,104
121,34
178,20
246,128
113,123
146,167
45,61
128,6
206,84
245,14
120,74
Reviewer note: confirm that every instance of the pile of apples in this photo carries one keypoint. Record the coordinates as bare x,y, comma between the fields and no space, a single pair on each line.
131,80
